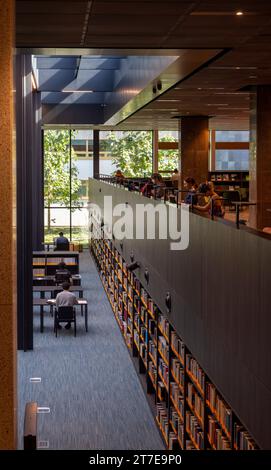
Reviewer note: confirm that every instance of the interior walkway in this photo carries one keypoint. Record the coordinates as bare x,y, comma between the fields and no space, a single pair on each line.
89,382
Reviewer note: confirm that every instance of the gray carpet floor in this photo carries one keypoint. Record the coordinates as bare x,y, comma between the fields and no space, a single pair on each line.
88,382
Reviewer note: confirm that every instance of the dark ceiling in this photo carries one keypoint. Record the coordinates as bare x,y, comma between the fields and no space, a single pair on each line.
109,27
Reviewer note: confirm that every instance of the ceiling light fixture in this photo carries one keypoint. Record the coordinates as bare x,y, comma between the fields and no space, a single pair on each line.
33,80
239,13
76,91
164,101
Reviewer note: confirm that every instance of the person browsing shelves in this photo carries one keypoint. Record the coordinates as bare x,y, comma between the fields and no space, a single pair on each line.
66,299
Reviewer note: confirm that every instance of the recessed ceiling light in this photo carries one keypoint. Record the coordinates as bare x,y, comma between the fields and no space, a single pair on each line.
77,91
232,67
160,101
239,13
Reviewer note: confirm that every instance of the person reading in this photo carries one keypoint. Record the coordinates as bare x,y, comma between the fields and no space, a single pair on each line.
62,243
213,203
66,299
62,274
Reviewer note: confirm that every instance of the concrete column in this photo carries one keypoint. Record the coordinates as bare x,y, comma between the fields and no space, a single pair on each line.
194,147
260,157
8,386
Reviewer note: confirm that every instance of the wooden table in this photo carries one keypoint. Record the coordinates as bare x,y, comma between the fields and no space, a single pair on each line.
50,280
238,204
56,289
51,303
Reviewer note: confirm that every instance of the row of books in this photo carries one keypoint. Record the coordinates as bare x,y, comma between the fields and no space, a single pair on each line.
195,370
216,437
163,348
219,407
163,325
187,388
177,345
177,371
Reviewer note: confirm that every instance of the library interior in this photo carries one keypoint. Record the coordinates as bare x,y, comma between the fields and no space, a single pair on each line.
121,121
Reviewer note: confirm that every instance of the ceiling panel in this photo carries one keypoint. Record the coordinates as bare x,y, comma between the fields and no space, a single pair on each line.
176,24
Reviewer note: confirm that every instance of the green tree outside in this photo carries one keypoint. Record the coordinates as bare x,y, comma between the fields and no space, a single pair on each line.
57,172
131,152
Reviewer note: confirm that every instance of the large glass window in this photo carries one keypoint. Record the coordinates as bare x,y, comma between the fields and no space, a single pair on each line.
168,152
232,136
230,150
67,166
129,151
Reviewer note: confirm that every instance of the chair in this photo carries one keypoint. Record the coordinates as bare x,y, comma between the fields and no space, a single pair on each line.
231,196
64,315
62,276
62,247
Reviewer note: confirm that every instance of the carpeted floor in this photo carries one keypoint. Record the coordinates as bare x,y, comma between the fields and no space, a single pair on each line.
89,382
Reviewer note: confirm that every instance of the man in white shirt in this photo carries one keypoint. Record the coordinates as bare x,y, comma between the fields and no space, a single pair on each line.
66,299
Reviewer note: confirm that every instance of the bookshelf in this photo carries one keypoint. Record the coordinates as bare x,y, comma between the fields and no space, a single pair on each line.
231,181
189,410
46,262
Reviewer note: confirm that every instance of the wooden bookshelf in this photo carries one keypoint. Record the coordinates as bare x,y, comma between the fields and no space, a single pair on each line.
45,263
190,412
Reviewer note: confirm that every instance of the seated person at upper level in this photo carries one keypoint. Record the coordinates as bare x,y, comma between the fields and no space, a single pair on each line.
190,187
147,188
158,189
62,243
176,178
62,274
213,200
119,176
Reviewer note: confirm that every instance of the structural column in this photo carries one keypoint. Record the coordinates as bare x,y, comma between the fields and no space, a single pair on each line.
96,153
8,374
25,175
194,145
37,175
260,157
155,151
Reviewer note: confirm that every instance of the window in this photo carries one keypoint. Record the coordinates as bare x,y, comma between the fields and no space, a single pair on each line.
168,152
67,167
130,151
230,150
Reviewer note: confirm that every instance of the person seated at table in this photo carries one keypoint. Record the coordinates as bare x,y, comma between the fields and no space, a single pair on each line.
190,187
119,176
176,178
213,200
62,274
158,189
147,188
66,299
62,243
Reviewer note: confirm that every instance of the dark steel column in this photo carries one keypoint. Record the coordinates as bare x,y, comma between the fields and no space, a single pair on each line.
96,153
37,173
24,149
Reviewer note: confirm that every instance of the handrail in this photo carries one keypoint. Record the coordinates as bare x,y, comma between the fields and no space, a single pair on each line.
30,426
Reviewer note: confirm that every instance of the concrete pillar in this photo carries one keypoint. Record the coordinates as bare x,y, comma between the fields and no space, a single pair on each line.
8,335
260,157
194,147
